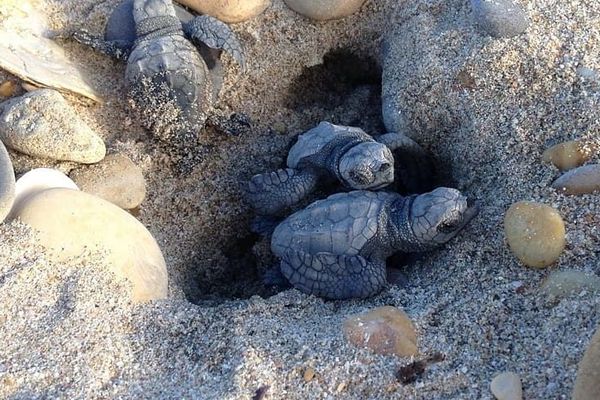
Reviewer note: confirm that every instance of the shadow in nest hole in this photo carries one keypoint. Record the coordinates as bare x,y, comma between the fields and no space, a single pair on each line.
346,88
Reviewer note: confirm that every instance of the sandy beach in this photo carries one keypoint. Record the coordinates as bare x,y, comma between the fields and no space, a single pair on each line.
485,109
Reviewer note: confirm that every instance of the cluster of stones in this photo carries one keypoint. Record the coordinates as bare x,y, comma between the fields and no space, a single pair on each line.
536,232
70,214
241,10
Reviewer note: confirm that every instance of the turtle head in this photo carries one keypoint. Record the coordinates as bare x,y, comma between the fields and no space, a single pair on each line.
438,216
368,165
144,9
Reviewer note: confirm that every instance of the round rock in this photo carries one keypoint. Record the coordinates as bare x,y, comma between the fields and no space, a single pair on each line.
582,180
7,183
587,384
71,223
116,179
35,181
320,10
384,330
42,124
228,10
535,233
566,155
507,386
569,282
500,18
8,88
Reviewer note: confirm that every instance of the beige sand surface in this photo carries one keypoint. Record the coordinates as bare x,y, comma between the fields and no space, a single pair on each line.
68,331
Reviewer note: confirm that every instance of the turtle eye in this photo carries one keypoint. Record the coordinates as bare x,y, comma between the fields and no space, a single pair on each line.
360,177
384,167
449,226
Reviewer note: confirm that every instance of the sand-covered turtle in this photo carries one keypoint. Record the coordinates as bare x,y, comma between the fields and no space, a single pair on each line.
168,63
324,154
337,247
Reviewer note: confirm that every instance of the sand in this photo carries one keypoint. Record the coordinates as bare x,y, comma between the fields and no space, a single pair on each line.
69,331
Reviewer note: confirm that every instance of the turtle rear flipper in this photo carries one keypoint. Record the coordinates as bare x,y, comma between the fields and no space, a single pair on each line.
119,49
271,193
215,34
334,276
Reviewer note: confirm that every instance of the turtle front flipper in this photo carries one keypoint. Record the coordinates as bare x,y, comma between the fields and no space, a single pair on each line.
413,165
273,192
119,49
333,276
215,34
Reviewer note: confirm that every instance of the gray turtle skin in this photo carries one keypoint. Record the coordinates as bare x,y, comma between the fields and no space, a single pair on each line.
336,248
323,154
169,78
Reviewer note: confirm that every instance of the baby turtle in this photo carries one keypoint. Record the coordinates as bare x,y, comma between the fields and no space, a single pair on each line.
170,81
337,247
324,154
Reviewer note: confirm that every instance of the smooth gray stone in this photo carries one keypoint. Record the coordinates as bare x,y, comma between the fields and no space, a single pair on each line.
500,18
7,183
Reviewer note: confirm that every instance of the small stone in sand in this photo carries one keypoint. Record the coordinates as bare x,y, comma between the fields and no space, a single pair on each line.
7,183
8,89
500,18
116,179
309,374
582,180
42,124
587,384
507,386
566,155
384,330
35,181
228,10
568,282
320,10
71,222
535,233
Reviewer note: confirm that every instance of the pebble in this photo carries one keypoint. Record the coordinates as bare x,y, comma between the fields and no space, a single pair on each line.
309,374
7,183
384,330
320,10
8,89
507,386
535,233
228,10
28,87
29,54
500,18
566,155
587,383
116,179
588,74
42,124
70,223
564,283
582,180
35,181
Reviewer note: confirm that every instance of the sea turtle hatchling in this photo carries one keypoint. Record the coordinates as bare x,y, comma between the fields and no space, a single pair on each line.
337,247
328,153
169,79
